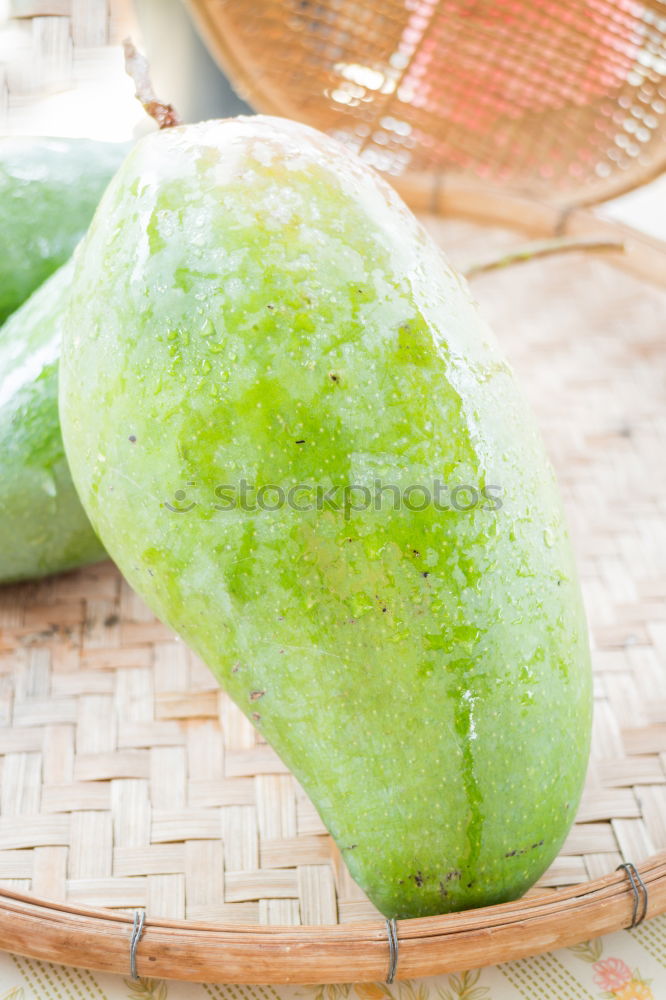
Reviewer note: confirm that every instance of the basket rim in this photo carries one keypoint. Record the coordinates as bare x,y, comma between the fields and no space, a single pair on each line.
465,197
232,59
338,953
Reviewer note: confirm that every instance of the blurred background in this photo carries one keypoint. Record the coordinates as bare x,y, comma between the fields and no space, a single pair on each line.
62,68
588,93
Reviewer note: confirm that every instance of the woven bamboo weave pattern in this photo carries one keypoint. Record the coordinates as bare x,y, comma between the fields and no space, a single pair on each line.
565,98
127,779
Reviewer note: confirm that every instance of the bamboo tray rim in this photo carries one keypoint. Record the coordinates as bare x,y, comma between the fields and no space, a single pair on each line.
455,195
99,939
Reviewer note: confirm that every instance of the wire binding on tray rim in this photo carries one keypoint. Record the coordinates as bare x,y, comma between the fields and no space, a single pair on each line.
392,932
137,931
640,892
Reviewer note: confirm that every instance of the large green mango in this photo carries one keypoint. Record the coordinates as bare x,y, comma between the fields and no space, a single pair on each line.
253,304
49,189
43,528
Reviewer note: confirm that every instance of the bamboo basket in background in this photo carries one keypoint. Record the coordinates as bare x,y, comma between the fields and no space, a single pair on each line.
564,99
130,782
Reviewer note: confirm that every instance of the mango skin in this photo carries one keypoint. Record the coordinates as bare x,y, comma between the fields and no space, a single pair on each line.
49,189
43,527
425,675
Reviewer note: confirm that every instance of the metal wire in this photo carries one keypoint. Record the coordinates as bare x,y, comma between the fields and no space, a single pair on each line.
137,931
640,893
392,931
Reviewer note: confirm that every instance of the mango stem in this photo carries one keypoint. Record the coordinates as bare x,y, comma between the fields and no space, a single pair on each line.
138,68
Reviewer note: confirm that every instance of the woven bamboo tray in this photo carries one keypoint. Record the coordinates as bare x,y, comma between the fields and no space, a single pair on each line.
128,781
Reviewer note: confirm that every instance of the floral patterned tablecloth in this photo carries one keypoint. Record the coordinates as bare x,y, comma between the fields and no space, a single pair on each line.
628,965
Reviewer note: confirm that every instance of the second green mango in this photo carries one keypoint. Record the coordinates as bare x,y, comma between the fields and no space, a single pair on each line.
49,189
43,528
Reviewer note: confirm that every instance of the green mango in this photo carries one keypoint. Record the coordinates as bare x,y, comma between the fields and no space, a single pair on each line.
43,528
254,310
49,189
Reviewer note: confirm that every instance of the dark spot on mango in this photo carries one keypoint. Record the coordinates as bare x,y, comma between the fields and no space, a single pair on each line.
111,620
256,695
132,438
